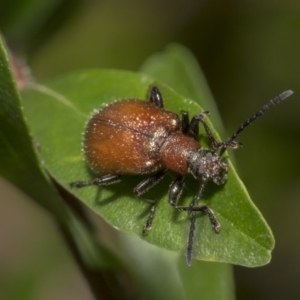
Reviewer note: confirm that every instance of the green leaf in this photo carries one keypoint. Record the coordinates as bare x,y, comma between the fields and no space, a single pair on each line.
19,164
18,160
57,114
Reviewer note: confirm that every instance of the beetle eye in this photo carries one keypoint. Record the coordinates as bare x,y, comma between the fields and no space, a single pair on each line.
209,155
201,170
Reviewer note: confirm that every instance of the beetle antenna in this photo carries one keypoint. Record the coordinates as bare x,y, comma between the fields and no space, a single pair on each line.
231,141
192,208
191,239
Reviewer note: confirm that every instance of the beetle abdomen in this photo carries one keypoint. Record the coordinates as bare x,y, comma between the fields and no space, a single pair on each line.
125,137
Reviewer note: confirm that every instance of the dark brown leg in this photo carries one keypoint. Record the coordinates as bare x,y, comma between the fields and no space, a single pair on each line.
103,180
155,97
142,188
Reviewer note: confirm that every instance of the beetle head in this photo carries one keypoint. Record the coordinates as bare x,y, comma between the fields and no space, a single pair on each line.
207,165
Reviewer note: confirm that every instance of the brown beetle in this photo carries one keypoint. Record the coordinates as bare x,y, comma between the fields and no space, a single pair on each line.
137,137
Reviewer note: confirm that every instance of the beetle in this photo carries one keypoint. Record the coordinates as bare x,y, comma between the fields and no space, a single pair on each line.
134,136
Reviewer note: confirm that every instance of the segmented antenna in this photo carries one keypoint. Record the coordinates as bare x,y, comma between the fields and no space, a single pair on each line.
189,252
192,208
229,142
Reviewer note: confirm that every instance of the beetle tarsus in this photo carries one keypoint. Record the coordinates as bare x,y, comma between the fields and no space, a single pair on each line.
155,97
148,225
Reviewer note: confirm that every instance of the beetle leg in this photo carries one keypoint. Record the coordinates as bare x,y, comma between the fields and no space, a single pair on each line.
204,208
103,180
155,97
175,190
142,188
208,211
214,144
194,127
216,227
174,194
214,224
192,208
185,122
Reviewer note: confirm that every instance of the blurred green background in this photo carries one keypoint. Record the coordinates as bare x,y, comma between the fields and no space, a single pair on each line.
249,52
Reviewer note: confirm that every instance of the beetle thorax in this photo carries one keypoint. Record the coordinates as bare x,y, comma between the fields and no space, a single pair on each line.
207,165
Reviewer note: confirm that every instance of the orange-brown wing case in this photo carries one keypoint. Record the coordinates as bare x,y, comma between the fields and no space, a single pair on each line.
125,137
